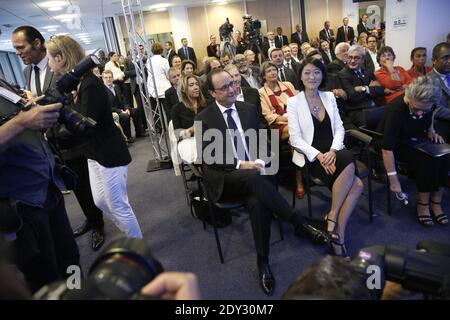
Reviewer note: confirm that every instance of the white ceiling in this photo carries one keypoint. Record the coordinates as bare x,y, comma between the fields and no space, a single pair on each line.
14,13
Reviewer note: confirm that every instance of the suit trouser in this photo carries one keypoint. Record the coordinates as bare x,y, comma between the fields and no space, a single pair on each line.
262,200
83,192
45,245
140,108
109,190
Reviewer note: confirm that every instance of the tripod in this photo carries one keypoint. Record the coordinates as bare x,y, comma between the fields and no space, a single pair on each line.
228,48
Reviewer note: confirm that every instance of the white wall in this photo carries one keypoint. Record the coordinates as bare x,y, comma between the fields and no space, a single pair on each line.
179,23
403,40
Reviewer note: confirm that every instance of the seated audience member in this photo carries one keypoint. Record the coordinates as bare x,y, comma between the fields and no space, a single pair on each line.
183,115
361,87
394,79
188,68
118,106
371,63
250,57
211,64
326,53
236,174
441,76
418,59
171,94
249,73
290,63
213,48
409,116
176,62
316,129
341,52
246,94
305,46
294,52
225,59
284,74
362,39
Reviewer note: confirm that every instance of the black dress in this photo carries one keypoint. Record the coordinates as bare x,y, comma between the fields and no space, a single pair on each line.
322,141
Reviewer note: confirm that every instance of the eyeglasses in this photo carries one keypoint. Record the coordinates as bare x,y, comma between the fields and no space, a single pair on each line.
225,87
356,58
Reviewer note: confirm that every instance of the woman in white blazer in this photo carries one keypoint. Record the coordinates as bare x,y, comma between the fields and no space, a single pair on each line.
316,130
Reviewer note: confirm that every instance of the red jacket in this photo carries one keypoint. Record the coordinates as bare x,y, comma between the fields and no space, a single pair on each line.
384,78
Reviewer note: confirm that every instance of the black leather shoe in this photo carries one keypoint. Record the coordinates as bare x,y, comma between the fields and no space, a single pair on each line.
85,227
97,239
266,279
315,235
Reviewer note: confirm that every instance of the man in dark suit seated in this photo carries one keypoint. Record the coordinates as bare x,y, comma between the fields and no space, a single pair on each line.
116,101
327,54
299,36
235,172
363,91
249,73
280,39
290,63
186,52
171,93
284,74
345,33
341,58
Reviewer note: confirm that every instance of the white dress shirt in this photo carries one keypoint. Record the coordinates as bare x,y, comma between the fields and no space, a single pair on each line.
160,67
272,43
373,55
43,64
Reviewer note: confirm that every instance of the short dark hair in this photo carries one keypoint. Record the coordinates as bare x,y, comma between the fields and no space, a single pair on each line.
317,63
371,36
313,53
169,43
330,278
384,50
31,34
415,50
273,50
209,85
437,49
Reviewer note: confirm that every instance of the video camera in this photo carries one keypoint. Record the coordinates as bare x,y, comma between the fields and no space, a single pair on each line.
251,30
118,273
426,270
225,30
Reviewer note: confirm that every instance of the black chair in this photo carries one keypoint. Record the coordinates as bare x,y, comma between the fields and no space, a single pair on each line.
227,205
364,171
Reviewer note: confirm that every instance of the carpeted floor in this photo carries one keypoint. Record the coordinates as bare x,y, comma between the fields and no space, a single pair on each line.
179,242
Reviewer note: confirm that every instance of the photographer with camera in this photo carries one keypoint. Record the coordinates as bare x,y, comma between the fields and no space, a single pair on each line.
227,42
33,216
107,154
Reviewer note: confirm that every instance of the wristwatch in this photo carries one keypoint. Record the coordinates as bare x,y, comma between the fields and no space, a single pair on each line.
364,89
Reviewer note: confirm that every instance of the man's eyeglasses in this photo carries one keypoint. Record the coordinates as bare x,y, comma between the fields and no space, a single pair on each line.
225,87
356,58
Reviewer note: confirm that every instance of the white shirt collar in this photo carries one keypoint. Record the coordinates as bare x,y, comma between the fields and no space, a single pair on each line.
42,64
223,109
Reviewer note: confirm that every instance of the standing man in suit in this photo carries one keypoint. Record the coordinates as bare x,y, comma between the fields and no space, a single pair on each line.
235,173
29,45
299,36
269,43
345,33
185,52
284,74
170,52
363,26
441,76
327,34
280,39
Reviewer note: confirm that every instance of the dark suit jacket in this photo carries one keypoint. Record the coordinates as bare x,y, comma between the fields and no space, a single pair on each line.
291,77
325,56
49,81
251,95
116,102
212,50
340,35
265,48
335,66
362,29
171,98
323,36
130,72
295,38
106,144
278,43
443,111
170,55
368,64
211,118
359,100
191,54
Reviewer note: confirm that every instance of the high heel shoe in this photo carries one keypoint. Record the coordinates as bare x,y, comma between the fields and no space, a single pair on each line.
441,218
424,220
339,249
333,235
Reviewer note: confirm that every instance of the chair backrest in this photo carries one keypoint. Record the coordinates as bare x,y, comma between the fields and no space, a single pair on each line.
373,117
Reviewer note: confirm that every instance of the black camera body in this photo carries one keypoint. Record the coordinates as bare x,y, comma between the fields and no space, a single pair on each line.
251,30
225,30
118,273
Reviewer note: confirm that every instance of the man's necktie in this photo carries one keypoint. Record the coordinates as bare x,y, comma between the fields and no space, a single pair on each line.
186,53
37,81
281,40
237,138
281,74
288,65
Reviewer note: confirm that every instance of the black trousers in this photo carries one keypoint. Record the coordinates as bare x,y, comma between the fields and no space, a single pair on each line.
83,192
45,245
127,95
262,200
124,120
428,172
140,108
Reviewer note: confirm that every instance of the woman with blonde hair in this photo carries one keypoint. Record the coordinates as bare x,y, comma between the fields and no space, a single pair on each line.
106,151
183,115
